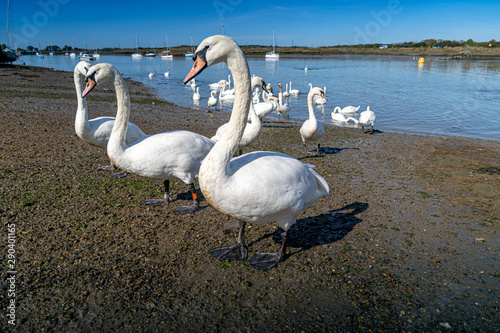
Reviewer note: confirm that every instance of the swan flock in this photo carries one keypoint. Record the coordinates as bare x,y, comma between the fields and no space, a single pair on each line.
257,187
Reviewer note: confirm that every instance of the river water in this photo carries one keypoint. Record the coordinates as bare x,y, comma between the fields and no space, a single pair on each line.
440,97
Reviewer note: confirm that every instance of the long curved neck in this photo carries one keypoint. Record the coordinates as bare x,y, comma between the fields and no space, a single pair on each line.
119,132
252,115
224,149
312,116
82,117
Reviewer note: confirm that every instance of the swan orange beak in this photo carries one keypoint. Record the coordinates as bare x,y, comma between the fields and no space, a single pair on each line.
323,95
88,88
198,66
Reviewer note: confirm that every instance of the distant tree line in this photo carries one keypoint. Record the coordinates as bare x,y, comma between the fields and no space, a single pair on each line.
433,43
424,43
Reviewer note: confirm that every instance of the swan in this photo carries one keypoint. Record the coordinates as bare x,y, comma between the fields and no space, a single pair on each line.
163,156
151,75
167,73
254,125
258,187
312,130
347,110
318,100
193,84
226,97
366,119
196,95
214,86
256,98
212,100
305,69
293,91
270,90
264,108
286,93
283,108
338,117
96,131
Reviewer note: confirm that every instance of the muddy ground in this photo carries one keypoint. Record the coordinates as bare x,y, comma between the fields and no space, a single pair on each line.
407,242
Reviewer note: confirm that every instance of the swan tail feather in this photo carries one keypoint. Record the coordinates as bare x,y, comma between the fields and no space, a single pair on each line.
323,187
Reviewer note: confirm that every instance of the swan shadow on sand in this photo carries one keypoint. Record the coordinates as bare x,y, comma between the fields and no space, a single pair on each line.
323,151
320,230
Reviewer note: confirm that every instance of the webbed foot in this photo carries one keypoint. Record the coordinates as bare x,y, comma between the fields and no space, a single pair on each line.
237,251
121,174
265,261
106,168
187,209
155,202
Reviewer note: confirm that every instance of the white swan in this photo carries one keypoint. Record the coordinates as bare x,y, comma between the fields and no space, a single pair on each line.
96,131
167,73
283,108
256,98
226,97
196,95
270,89
366,119
286,93
163,156
257,187
293,91
254,125
193,84
212,100
338,117
312,130
151,75
214,86
349,110
264,108
318,100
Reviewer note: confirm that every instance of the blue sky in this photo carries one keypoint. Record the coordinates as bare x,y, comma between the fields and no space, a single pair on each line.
313,23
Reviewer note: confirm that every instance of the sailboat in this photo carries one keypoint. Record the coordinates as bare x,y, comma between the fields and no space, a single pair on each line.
190,54
72,54
7,54
273,55
39,53
96,55
167,54
136,55
151,54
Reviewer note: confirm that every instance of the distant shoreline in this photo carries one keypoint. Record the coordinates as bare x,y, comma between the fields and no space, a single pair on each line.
458,53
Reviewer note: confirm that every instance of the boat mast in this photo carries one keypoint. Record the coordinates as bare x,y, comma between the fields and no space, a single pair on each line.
7,39
274,43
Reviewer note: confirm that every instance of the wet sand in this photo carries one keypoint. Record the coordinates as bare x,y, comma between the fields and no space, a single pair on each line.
408,240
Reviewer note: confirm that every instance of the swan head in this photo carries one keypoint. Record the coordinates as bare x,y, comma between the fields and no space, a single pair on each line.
82,67
212,50
316,91
98,74
257,81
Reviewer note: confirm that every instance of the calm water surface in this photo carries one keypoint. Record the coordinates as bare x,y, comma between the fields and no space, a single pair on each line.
442,97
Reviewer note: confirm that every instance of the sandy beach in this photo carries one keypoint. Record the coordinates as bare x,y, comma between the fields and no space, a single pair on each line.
408,241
